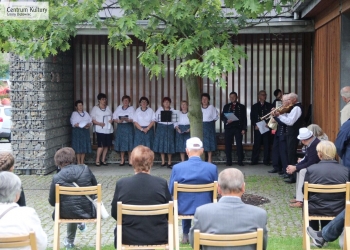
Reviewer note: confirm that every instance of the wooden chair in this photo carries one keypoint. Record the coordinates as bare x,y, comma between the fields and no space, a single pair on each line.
228,240
91,190
145,210
19,241
347,227
189,188
319,188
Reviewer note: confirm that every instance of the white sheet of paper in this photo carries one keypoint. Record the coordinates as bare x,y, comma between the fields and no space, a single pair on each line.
262,127
83,124
231,116
106,119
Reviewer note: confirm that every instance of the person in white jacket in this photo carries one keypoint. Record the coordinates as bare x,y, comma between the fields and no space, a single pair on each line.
16,220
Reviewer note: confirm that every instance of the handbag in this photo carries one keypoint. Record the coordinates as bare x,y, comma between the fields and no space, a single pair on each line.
104,213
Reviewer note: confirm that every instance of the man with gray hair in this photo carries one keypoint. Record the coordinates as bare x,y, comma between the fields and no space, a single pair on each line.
193,171
345,112
230,215
16,220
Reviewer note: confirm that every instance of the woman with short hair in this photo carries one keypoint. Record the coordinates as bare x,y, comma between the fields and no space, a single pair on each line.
124,137
71,206
102,119
16,220
81,122
144,122
164,142
142,189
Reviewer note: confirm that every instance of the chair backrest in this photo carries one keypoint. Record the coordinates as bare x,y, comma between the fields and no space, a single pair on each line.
90,190
19,241
228,240
145,210
196,188
320,188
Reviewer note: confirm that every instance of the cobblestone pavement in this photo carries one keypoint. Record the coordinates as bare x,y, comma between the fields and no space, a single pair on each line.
282,220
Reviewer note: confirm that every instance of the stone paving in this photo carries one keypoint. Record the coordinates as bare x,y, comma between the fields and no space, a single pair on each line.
282,220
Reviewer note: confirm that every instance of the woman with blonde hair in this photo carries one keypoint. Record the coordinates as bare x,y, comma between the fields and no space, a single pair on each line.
7,163
318,132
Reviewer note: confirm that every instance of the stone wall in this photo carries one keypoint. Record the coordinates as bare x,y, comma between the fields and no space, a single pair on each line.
42,102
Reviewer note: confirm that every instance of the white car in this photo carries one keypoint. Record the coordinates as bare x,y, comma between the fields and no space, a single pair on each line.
5,122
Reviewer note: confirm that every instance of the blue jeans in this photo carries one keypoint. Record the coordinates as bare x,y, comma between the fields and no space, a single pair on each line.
334,229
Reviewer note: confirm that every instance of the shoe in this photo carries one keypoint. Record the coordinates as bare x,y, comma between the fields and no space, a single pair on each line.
240,164
97,164
164,165
185,239
280,172
170,166
130,165
253,163
67,244
313,244
285,176
317,240
290,181
104,163
122,164
297,204
272,171
82,227
267,164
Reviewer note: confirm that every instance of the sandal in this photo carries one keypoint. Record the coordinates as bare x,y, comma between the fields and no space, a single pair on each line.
104,163
97,164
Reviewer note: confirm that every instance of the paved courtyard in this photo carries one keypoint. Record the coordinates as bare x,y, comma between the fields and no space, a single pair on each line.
282,220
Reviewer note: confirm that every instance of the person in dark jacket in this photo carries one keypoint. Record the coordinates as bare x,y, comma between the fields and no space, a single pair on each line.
326,172
7,163
260,109
342,143
72,207
310,141
235,129
142,189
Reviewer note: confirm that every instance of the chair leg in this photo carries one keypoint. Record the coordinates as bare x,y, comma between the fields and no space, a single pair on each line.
176,234
98,234
56,236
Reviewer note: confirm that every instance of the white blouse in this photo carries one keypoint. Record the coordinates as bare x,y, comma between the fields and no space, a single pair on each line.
182,119
129,111
144,118
210,114
102,116
157,116
76,117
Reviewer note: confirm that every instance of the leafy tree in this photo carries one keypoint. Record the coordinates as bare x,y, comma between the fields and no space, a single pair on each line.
4,66
197,31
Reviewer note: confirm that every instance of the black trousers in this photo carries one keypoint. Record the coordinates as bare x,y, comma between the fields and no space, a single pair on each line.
237,134
279,154
258,140
292,142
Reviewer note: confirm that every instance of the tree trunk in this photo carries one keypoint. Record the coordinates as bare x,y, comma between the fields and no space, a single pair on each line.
194,110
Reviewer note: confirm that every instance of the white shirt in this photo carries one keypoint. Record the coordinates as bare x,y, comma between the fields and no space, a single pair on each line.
182,119
210,114
157,116
102,116
290,118
120,111
80,118
345,113
143,118
20,221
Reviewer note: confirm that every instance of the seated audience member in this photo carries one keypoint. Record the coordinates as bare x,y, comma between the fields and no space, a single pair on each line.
327,172
310,141
230,215
330,232
72,207
192,171
142,189
7,163
16,220
318,132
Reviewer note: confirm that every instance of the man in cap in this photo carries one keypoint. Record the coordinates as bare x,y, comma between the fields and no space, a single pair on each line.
193,171
310,141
